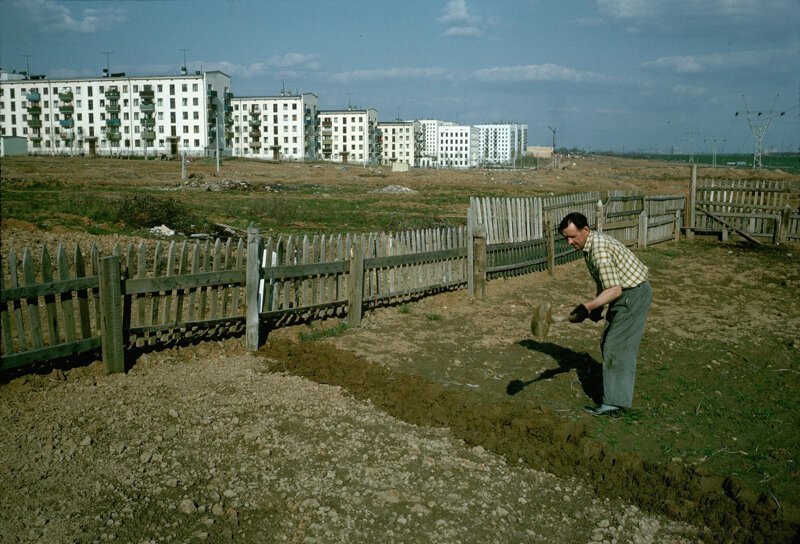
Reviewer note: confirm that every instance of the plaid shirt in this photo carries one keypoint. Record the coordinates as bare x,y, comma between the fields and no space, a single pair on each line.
611,263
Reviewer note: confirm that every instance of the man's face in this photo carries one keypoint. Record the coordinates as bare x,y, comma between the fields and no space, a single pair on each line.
576,238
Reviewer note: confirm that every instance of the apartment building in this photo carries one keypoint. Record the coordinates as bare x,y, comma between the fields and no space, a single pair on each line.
120,115
430,131
401,141
349,135
283,127
500,144
458,147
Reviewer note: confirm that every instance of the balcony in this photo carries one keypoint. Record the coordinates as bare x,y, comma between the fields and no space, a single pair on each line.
148,122
212,121
67,123
149,135
112,93
228,109
66,110
114,136
254,122
212,106
34,110
113,108
255,144
35,137
65,96
33,97
113,122
147,93
255,134
228,96
68,136
35,123
212,93
148,108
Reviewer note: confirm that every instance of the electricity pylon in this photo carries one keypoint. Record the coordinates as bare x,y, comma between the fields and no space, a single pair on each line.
759,123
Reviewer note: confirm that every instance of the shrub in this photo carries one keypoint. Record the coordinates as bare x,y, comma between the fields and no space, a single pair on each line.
146,212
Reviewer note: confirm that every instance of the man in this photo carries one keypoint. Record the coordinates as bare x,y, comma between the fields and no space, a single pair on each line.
622,284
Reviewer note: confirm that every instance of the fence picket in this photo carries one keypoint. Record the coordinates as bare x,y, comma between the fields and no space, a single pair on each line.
5,323
49,300
34,317
83,297
17,304
65,297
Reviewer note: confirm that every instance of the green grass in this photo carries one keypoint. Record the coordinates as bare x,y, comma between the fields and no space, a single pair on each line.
319,334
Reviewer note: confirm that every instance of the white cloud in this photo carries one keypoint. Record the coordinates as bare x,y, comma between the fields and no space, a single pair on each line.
55,16
626,9
391,73
295,60
462,22
456,11
463,31
739,60
535,72
689,90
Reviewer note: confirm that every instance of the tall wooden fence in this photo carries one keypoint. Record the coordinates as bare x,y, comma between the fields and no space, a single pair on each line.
755,209
151,296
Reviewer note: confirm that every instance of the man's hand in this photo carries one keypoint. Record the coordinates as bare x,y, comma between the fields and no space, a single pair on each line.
596,314
579,314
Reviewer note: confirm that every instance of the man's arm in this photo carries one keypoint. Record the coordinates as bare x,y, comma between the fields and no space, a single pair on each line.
606,296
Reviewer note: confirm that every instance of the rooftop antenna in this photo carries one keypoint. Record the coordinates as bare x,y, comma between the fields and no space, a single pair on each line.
28,65
108,62
759,122
184,70
283,84
349,104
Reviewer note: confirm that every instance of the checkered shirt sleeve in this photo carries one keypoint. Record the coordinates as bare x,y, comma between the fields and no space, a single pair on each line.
611,263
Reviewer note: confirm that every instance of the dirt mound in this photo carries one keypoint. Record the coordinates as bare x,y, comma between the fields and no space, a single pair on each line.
533,434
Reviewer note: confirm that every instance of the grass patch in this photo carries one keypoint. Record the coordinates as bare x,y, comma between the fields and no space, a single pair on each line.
433,317
318,334
404,309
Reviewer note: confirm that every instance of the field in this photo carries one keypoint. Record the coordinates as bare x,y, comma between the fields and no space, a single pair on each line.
439,419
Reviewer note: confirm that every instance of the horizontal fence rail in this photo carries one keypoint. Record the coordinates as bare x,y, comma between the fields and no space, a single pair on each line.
153,295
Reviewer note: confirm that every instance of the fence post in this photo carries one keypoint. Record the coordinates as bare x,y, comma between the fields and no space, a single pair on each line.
690,210
355,286
783,227
112,340
478,242
598,216
677,228
470,253
252,277
642,230
551,248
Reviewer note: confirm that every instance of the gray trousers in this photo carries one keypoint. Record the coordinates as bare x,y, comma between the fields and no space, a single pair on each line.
620,343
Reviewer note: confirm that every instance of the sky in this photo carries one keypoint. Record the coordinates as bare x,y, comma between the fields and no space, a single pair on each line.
664,76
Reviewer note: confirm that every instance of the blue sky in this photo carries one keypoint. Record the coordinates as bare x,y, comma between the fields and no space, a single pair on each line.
622,75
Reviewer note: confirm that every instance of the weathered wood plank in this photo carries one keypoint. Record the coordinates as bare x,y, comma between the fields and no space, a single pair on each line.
66,296
83,296
34,317
51,315
16,303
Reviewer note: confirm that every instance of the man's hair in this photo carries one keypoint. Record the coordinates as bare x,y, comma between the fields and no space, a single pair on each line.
576,218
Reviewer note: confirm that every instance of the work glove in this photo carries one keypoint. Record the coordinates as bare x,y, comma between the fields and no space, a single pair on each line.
579,314
596,314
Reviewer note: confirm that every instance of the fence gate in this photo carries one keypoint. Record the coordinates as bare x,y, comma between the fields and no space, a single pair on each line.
750,206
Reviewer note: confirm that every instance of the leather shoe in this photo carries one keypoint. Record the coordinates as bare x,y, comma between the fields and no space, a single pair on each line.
608,410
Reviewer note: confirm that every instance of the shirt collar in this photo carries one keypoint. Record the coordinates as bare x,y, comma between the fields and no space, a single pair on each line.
587,247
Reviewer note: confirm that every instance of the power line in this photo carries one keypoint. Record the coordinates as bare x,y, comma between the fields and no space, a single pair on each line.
759,122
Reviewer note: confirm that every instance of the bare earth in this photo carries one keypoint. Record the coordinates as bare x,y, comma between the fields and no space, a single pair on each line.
405,429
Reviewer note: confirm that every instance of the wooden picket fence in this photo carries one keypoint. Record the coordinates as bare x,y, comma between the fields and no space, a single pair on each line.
757,210
150,296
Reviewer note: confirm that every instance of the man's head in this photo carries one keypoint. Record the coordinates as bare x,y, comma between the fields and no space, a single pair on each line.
575,229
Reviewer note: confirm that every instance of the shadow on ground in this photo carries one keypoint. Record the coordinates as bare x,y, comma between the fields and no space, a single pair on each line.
590,372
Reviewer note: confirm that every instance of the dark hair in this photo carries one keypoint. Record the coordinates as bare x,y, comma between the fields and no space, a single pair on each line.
576,218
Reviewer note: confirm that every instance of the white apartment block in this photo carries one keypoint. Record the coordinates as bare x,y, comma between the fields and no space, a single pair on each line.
430,131
458,147
276,127
401,141
120,115
349,135
501,143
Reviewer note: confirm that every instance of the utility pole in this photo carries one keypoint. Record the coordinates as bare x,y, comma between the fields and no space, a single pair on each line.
554,164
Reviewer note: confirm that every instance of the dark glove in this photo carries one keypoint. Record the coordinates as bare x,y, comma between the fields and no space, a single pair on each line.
596,314
579,314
